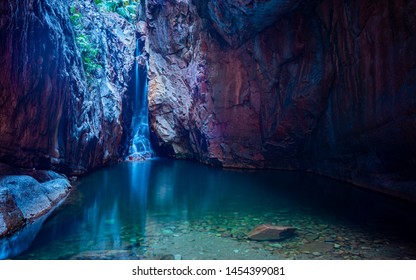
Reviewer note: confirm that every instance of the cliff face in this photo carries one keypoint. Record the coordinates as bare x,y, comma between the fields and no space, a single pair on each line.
56,113
367,131
321,86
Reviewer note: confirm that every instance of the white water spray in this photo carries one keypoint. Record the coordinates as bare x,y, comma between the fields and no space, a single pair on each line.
140,147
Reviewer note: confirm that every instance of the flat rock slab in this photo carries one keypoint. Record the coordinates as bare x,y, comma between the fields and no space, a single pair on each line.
269,232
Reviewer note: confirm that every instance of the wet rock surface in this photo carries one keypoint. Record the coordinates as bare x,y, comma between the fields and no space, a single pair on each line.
24,205
315,86
31,198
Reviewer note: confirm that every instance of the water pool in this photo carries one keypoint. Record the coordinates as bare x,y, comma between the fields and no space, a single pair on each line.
166,209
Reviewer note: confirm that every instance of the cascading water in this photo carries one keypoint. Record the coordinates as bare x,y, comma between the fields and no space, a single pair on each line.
140,147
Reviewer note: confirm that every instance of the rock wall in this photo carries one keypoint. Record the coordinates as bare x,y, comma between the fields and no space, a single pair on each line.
53,114
316,85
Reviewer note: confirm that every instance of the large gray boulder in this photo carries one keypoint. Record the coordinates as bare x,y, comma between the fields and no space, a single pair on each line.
25,203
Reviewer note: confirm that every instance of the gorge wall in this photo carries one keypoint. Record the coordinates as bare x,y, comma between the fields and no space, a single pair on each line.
314,85
62,89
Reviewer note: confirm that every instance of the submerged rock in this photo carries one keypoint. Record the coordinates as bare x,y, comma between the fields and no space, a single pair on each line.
270,232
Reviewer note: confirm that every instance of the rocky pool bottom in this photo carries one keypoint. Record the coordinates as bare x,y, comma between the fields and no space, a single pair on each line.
165,209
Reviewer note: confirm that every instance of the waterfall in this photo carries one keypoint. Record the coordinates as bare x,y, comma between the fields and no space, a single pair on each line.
140,147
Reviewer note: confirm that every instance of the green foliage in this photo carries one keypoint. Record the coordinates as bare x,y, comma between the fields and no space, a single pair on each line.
89,54
74,15
89,51
128,9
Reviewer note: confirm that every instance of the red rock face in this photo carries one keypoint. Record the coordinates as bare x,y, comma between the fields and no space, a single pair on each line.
238,21
32,83
326,87
51,116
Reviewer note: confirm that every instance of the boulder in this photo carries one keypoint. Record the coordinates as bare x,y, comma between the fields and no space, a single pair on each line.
25,203
269,232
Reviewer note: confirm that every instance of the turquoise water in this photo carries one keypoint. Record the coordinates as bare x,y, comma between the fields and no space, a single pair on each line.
158,209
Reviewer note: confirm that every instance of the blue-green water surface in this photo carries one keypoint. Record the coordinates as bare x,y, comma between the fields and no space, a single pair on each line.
171,209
